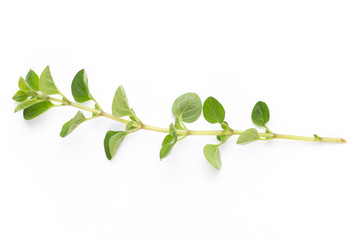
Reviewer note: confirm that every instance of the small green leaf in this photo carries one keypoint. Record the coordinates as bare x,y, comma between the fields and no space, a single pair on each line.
187,107
97,107
178,125
37,109
24,86
33,80
220,137
120,105
223,138
213,111
250,135
27,104
79,87
317,138
168,142
172,131
46,83
108,135
212,154
131,126
225,125
260,114
166,146
73,123
112,142
20,96
115,142
168,139
133,118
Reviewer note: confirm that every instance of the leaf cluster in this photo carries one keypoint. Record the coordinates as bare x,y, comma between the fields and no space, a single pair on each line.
34,97
29,100
187,108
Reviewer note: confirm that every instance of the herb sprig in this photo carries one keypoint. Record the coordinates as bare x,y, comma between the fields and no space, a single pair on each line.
35,97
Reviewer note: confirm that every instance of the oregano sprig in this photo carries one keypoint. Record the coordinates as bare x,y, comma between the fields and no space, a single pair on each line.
35,97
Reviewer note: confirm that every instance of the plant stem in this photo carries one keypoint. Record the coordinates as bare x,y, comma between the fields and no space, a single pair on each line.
197,132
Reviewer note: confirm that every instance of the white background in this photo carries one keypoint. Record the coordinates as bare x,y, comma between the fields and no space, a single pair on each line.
300,57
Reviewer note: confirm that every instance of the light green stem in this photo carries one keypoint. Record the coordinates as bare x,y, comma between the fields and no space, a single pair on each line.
197,132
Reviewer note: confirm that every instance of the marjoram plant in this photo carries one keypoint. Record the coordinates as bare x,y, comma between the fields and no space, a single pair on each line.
35,97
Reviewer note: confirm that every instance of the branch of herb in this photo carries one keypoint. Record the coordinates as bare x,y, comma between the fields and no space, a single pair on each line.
34,97
193,132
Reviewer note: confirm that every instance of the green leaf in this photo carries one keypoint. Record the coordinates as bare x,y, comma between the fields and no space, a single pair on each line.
112,142
120,105
97,107
166,146
46,83
260,114
73,123
168,139
212,154
33,80
37,109
317,138
79,87
187,107
131,126
24,86
178,124
20,96
108,135
213,111
168,142
224,137
133,118
225,125
27,104
115,142
250,135
172,131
